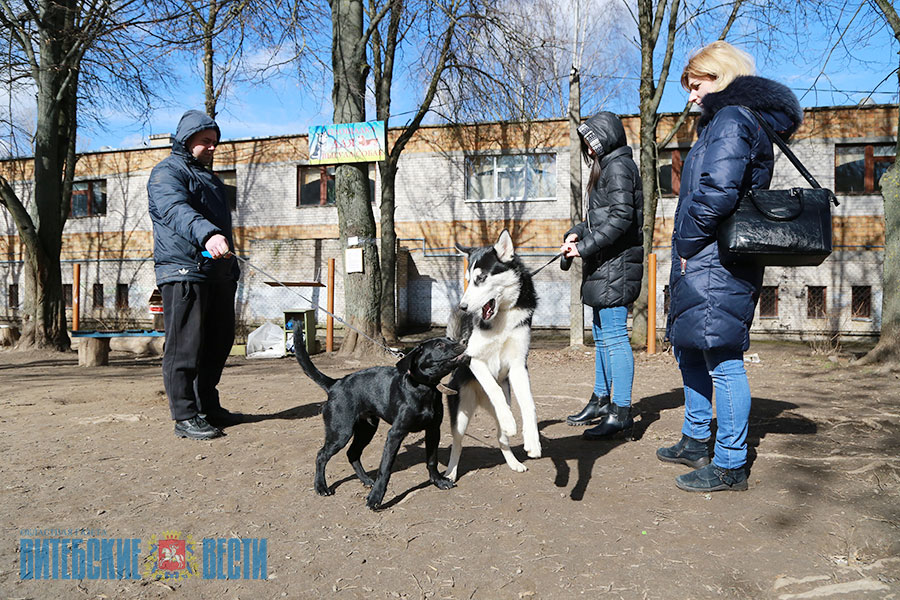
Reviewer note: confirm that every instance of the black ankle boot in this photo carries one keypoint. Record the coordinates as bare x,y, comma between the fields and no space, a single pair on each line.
618,419
688,451
595,408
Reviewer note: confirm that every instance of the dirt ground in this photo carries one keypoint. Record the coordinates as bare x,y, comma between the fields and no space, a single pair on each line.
93,448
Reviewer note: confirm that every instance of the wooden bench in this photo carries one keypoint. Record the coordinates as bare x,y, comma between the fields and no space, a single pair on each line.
93,346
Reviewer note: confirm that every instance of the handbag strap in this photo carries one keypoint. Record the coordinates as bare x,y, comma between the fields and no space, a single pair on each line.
774,137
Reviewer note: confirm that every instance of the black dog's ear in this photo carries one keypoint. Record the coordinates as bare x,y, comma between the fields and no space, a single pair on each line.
406,363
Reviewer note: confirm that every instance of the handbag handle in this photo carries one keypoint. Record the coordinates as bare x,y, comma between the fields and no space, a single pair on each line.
774,137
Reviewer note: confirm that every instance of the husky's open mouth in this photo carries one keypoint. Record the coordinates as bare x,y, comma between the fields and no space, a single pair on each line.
488,310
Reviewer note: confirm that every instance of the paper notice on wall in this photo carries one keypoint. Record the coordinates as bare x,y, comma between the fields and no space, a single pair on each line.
353,260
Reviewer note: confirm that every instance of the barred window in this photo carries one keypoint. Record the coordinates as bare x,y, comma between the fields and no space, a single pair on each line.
315,184
768,301
121,296
229,178
861,302
859,167
668,165
510,177
815,301
67,294
98,295
12,299
88,199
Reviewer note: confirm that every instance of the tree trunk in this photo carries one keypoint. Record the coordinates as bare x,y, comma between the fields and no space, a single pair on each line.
388,251
576,308
362,291
53,166
651,200
888,347
209,89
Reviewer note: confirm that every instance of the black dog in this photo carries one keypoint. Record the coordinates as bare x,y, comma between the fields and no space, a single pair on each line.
405,396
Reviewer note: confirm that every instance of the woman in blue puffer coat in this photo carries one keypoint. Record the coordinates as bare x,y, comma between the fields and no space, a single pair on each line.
711,303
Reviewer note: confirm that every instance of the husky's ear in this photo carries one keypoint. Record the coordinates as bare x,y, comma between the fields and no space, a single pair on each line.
463,249
405,364
504,247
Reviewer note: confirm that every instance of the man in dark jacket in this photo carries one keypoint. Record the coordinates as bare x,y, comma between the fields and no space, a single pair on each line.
190,214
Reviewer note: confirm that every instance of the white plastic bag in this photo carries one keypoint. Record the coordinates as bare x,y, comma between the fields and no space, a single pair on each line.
266,341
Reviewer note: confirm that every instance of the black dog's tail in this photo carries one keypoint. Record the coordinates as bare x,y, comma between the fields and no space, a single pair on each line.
324,381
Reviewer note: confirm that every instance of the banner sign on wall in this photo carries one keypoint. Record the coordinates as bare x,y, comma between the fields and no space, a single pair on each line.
347,142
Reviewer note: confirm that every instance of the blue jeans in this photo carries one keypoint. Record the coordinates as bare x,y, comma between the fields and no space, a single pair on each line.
613,359
722,370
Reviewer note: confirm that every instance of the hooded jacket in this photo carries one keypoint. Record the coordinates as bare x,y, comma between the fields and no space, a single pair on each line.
711,305
610,241
188,205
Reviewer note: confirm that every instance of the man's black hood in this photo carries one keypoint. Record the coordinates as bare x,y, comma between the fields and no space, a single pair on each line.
603,133
764,96
191,122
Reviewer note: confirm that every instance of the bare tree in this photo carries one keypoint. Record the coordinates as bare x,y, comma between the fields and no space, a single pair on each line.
888,348
230,36
654,18
362,291
51,44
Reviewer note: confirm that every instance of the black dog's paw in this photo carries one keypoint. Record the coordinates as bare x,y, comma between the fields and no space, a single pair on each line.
368,481
324,491
443,483
373,500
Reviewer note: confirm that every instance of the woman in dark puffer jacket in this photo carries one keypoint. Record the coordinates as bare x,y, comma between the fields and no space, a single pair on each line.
610,242
712,304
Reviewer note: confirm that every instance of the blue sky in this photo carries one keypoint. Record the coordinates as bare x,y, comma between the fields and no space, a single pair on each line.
282,106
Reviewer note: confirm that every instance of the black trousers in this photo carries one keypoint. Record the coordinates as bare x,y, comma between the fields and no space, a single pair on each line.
199,319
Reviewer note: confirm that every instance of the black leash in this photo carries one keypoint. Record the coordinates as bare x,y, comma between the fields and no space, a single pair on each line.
547,264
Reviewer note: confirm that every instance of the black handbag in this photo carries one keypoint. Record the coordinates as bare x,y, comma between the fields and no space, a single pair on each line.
783,228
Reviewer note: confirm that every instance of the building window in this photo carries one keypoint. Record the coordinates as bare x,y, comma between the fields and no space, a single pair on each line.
315,185
815,301
12,299
88,199
97,294
668,165
666,299
121,296
859,167
768,301
229,178
67,294
861,301
511,177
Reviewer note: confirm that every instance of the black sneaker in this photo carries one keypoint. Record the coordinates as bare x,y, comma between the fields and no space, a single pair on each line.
713,478
196,428
688,451
221,417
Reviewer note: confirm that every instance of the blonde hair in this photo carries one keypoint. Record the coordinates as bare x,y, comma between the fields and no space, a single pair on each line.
719,61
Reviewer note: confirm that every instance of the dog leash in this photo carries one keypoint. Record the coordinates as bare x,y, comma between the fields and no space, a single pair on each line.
547,264
393,351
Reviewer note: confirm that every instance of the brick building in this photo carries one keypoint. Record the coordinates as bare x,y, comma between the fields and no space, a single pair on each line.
455,184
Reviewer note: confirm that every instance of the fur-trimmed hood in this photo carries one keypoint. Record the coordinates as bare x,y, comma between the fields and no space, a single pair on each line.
767,97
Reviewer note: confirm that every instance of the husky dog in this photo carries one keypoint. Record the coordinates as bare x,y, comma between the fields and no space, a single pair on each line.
494,314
